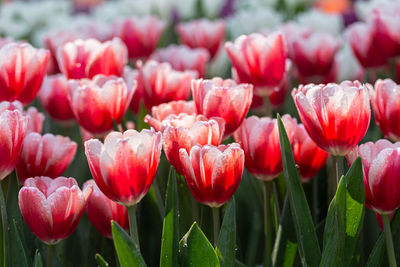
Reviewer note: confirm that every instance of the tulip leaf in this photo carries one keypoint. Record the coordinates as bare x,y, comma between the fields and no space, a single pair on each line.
310,253
345,219
196,250
170,236
127,252
285,248
100,260
227,236
37,260
17,255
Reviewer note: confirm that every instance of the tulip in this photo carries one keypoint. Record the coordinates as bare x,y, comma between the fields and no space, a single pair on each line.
213,173
259,138
131,76
307,155
52,208
259,60
336,116
223,98
35,118
183,58
23,68
46,155
101,210
201,132
54,98
97,103
385,102
203,33
87,58
140,35
162,84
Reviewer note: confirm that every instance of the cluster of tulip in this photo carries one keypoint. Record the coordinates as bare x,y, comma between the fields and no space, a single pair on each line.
208,140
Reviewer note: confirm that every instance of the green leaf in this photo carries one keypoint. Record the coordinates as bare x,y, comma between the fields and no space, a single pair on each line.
37,260
310,253
4,233
196,250
285,248
345,219
127,253
227,236
170,236
18,255
100,260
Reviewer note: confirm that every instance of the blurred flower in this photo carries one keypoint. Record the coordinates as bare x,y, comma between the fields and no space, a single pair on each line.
381,165
182,58
320,21
259,138
140,35
125,166
101,210
87,58
35,118
97,103
130,77
213,173
336,116
52,208
223,98
162,84
346,64
54,98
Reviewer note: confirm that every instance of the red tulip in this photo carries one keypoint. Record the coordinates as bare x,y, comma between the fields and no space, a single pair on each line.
223,98
87,58
201,132
54,98
381,166
203,33
130,76
162,84
336,116
23,68
259,60
13,125
101,210
46,155
140,35
97,103
52,208
259,138
213,173
125,166
174,113
183,58
35,118
308,156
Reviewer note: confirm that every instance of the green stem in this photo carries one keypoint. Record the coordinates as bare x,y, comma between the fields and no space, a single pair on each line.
267,106
267,222
216,223
4,224
389,240
133,225
338,168
195,209
49,255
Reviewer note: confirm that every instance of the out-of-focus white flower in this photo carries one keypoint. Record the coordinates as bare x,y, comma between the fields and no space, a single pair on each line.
254,4
321,21
363,8
253,20
347,66
212,8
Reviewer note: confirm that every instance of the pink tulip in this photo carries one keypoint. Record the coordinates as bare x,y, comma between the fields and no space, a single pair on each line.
131,76
35,118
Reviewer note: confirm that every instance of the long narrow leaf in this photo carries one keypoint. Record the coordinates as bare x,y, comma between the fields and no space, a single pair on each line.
227,236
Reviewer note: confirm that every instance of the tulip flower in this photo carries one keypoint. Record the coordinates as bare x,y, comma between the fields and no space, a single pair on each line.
385,102
87,58
202,33
131,76
223,98
97,103
52,208
54,98
307,155
259,60
336,116
125,165
162,84
259,138
201,132
101,210
213,173
23,68
35,118
140,35
183,58
46,155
